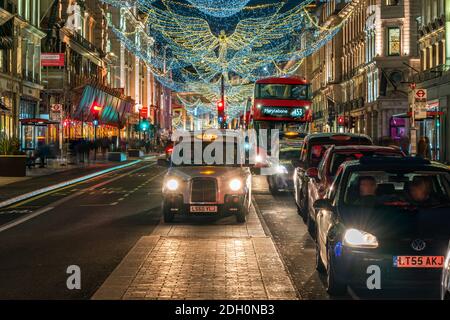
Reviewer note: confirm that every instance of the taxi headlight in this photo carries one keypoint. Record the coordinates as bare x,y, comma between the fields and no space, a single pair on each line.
172,184
235,184
359,239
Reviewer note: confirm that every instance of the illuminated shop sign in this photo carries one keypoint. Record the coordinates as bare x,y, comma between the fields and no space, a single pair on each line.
284,112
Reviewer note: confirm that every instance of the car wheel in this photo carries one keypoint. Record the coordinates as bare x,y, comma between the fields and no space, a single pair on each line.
311,225
169,216
334,286
447,296
320,267
303,205
241,216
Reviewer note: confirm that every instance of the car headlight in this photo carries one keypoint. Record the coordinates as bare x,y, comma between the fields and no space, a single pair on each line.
172,184
235,184
359,239
258,158
281,169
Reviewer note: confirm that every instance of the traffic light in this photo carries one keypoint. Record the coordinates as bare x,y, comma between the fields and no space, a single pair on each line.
96,109
220,106
341,120
221,113
352,122
144,125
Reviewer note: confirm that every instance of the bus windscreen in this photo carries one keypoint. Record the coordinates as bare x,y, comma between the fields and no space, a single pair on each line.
282,91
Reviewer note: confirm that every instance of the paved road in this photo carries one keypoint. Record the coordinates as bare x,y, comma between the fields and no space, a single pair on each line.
98,224
92,225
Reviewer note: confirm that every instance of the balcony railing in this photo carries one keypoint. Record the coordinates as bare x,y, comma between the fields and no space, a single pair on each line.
30,77
431,74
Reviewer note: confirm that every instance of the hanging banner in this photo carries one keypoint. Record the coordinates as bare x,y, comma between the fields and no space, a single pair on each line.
52,59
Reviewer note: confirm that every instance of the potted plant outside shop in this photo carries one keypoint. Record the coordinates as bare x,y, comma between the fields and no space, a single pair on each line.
12,161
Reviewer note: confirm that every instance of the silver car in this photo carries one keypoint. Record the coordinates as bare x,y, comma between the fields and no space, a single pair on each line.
199,187
445,283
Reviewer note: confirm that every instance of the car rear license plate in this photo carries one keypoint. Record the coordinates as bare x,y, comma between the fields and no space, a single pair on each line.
208,209
418,261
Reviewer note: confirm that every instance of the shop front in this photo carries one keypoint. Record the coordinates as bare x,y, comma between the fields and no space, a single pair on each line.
100,113
428,129
6,120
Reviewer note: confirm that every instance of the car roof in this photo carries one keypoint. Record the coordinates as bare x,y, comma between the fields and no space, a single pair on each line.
392,163
314,136
351,147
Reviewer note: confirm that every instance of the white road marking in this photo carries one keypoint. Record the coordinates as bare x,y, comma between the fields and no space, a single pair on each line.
23,219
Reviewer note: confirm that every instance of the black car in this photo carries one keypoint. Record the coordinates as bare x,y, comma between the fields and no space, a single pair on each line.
314,146
391,214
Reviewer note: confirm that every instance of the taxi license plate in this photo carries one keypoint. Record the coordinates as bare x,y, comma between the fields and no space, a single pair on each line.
418,261
208,209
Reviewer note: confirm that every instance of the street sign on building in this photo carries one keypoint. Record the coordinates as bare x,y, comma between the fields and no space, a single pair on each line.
143,112
52,59
420,110
420,95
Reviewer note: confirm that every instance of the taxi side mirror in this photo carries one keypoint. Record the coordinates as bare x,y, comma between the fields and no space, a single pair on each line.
163,163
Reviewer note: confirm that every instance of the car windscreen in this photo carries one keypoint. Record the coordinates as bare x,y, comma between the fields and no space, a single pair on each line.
289,154
207,153
318,147
401,188
339,158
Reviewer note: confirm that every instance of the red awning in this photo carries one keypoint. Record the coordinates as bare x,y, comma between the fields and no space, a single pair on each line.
37,122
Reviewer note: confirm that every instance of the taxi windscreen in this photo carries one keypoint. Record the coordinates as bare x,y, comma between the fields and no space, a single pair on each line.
208,153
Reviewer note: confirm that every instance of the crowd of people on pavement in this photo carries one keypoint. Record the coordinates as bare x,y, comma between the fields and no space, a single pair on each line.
83,150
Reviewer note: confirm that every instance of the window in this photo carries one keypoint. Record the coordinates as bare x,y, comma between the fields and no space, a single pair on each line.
392,2
394,41
282,91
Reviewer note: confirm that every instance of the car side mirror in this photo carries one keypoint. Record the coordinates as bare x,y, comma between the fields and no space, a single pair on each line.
163,163
323,204
312,173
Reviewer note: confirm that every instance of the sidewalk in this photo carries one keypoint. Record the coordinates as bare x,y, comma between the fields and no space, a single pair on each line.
219,260
56,171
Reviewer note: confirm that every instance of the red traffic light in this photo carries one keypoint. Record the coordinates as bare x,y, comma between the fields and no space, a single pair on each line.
220,105
341,120
96,108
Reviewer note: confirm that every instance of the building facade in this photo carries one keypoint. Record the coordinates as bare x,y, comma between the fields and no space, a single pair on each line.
434,76
20,72
360,78
86,64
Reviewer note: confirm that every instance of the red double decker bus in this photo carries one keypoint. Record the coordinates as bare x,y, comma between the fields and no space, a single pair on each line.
280,103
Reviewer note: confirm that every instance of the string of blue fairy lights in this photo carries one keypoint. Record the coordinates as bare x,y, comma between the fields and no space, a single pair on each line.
191,57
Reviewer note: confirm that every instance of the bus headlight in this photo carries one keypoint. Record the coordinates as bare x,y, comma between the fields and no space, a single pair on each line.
235,184
360,239
172,184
